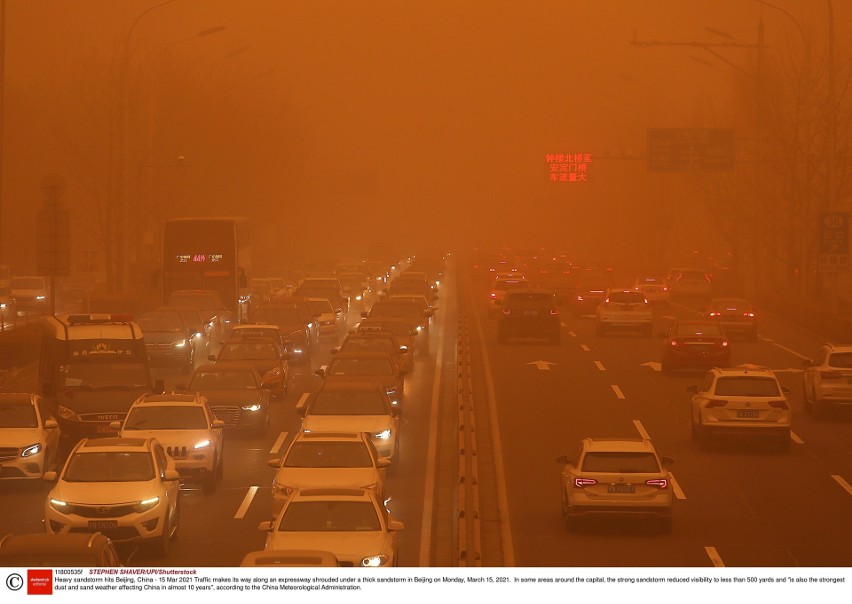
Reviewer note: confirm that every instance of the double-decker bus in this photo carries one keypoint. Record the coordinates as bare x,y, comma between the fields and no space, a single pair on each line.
210,254
91,369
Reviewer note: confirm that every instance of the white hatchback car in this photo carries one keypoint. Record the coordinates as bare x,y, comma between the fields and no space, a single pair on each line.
186,427
125,488
616,477
327,459
350,523
743,401
29,436
624,309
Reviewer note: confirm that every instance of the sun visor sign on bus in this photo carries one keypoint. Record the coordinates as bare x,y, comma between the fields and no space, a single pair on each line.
199,258
99,348
569,167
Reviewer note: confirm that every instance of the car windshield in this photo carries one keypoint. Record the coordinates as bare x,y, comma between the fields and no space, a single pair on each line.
160,322
703,329
322,306
18,415
166,417
94,375
360,366
368,345
278,316
345,402
330,516
842,360
248,351
627,298
620,462
26,283
109,466
223,380
328,455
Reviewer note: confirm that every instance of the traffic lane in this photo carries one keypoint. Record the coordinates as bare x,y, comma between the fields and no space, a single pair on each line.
544,413
762,476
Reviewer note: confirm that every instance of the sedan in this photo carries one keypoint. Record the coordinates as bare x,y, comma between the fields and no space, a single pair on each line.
235,394
734,315
267,356
694,345
350,523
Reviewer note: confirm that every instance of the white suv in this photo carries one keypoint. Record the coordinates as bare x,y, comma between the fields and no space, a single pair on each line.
616,477
745,400
624,309
828,379
125,488
187,429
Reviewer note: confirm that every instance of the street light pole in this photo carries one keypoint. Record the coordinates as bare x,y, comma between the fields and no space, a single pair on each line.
2,96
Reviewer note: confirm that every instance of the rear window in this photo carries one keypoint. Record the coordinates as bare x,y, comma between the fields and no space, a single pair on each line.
840,359
702,329
747,386
620,462
530,299
627,298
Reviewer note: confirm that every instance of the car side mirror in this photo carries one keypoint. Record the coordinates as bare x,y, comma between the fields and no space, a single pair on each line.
274,463
395,525
159,386
172,475
692,388
180,388
808,363
266,526
115,426
49,424
218,423
383,462
667,461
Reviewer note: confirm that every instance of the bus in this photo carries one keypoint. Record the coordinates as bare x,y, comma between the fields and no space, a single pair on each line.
91,369
211,254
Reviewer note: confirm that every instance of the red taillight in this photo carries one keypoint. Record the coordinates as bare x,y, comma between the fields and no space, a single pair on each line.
830,375
660,483
715,314
506,311
724,344
779,405
579,298
714,403
674,342
748,314
581,483
553,311
493,295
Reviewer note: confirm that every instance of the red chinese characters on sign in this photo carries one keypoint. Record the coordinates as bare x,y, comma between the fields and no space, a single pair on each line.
569,167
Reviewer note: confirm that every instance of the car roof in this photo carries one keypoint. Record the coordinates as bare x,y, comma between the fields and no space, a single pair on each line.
52,543
330,436
744,370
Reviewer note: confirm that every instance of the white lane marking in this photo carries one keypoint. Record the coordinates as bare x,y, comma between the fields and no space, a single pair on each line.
770,340
839,479
563,324
678,492
278,442
572,334
541,365
244,506
796,438
617,391
302,400
790,350
600,366
714,557
584,347
641,429
653,365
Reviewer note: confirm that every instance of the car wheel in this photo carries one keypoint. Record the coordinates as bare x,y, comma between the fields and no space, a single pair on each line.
808,402
220,467
208,485
571,521
163,543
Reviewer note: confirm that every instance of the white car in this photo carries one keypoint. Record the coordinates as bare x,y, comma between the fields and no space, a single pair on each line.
326,317
350,523
29,436
689,283
828,379
740,401
624,309
499,287
655,290
616,477
327,459
125,488
186,427
354,407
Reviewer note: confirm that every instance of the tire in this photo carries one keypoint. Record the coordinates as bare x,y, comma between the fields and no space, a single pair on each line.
208,484
808,402
163,543
220,468
819,409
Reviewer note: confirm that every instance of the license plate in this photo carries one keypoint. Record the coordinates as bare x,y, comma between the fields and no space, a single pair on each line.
748,413
622,488
103,524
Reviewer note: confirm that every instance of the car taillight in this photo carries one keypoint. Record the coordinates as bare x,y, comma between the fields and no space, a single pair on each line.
674,342
579,298
553,311
830,375
714,403
581,483
506,311
715,314
779,405
493,295
723,344
660,483
748,314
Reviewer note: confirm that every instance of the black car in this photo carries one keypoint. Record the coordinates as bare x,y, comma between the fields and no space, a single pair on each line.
528,314
695,345
170,342
234,392
296,324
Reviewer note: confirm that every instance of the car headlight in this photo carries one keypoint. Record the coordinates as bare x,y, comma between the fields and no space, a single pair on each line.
66,413
58,505
203,444
419,328
2,305
357,298
179,344
383,435
40,297
31,450
254,407
379,560
147,504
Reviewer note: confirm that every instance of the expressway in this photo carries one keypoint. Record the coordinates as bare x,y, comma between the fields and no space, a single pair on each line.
483,423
